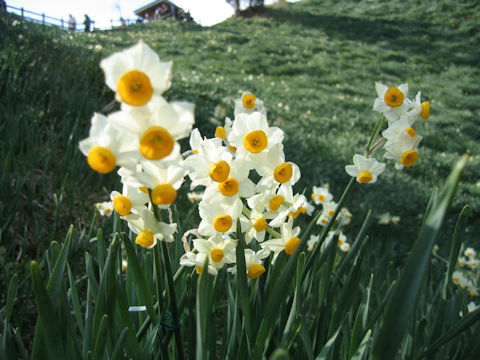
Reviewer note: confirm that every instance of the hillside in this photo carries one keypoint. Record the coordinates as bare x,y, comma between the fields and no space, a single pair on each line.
314,63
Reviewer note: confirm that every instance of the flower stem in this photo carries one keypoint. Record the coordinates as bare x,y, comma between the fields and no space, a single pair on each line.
173,298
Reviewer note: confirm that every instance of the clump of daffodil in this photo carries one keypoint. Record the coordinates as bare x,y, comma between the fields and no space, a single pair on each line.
246,148
142,139
467,273
400,140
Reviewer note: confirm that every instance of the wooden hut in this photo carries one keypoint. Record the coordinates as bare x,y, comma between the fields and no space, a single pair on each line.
163,9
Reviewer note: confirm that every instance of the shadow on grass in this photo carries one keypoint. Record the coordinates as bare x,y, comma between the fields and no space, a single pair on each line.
433,42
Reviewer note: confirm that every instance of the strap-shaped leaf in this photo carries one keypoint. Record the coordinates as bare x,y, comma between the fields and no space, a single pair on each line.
455,246
50,329
402,302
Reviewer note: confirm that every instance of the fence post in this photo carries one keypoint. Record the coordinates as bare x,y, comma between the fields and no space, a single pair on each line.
22,11
61,22
43,19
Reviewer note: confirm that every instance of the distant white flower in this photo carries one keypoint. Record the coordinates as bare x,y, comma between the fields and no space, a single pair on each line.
104,208
249,103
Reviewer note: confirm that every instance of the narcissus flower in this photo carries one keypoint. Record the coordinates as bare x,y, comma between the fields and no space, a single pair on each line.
403,150
105,208
251,135
219,248
321,194
327,212
106,147
391,102
163,179
132,199
253,262
156,135
365,170
136,74
275,170
288,241
419,109
249,103
148,229
219,217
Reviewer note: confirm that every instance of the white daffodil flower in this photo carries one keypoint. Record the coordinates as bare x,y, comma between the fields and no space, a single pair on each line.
236,185
219,248
253,262
136,74
148,229
251,135
209,163
249,103
132,199
321,194
219,217
365,170
288,241
163,179
327,212
105,148
403,149
274,170
391,102
104,208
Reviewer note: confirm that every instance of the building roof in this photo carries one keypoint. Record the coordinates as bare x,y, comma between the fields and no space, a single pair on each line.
152,4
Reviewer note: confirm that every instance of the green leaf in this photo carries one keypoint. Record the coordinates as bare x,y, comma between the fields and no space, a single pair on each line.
55,282
454,331
12,291
455,246
362,347
102,334
46,314
243,293
117,350
141,282
402,303
75,301
280,354
330,343
88,329
105,302
202,311
101,250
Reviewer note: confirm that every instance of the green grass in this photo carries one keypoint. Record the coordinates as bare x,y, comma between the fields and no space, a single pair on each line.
314,63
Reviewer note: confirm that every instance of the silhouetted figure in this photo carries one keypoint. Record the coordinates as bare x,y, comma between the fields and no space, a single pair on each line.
72,23
87,22
122,22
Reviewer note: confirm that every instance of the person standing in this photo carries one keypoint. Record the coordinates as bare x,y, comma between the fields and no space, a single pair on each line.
72,23
87,22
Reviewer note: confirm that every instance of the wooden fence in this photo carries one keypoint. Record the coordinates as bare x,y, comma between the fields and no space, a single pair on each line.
61,23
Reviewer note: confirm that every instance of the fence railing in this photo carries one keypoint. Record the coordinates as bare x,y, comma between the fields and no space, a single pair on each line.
63,24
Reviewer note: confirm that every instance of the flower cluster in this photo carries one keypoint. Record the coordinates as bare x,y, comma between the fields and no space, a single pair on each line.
468,272
321,196
223,167
399,140
141,139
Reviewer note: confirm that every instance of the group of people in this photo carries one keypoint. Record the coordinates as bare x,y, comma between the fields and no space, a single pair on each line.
72,23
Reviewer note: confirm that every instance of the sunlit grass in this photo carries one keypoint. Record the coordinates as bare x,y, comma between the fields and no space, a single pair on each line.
314,63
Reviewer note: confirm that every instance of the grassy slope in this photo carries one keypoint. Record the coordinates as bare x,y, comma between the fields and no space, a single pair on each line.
314,63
